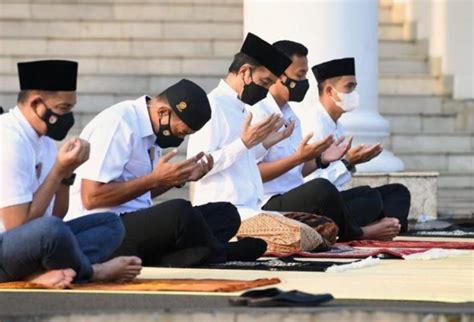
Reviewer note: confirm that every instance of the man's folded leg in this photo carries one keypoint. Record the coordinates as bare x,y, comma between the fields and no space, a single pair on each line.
44,244
156,232
98,235
320,197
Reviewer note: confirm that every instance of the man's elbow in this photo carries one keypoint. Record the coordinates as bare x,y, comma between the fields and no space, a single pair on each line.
89,202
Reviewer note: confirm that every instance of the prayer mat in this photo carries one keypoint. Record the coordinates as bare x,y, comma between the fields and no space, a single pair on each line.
345,251
409,244
277,264
457,233
160,285
460,230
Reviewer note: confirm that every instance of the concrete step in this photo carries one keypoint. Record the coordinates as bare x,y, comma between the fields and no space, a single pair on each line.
456,180
125,84
393,13
441,162
456,203
116,11
412,85
404,66
128,48
140,2
395,31
210,66
175,193
433,143
424,124
397,49
53,29
407,104
384,4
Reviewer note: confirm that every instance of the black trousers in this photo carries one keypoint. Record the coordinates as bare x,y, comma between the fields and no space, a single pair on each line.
368,204
318,196
175,225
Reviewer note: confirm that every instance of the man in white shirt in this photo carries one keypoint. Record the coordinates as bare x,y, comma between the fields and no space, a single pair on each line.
386,205
284,166
229,136
127,169
35,244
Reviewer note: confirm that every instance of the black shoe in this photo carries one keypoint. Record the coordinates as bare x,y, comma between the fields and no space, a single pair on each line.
185,257
246,249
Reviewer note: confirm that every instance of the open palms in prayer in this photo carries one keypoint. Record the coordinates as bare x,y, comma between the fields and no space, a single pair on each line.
336,151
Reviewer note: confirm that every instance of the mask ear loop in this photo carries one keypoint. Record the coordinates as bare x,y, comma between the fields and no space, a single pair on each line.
166,132
251,77
337,93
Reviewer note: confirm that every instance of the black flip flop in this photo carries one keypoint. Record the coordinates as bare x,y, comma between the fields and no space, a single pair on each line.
274,297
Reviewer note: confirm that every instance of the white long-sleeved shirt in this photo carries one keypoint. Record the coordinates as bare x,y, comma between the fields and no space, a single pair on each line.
235,177
294,177
336,172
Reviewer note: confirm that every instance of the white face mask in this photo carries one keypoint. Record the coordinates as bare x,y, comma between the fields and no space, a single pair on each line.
348,102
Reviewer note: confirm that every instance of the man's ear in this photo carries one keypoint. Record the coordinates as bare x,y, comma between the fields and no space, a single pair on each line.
245,72
327,88
34,101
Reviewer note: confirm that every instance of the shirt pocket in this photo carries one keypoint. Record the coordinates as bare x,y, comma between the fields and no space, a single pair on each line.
138,168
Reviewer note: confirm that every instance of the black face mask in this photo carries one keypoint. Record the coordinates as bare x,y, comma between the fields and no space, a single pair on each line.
57,125
166,139
297,89
253,93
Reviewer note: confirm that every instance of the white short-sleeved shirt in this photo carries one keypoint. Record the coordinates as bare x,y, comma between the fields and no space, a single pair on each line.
294,177
122,148
336,172
235,177
25,161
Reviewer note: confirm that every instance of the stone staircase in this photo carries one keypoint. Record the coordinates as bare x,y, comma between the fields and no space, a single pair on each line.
429,130
124,48
130,47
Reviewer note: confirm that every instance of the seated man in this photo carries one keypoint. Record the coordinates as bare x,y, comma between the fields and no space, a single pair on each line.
284,166
35,244
388,204
235,143
127,169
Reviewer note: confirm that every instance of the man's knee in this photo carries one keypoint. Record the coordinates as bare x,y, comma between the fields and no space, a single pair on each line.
48,226
51,230
403,191
115,228
376,200
229,212
181,209
323,188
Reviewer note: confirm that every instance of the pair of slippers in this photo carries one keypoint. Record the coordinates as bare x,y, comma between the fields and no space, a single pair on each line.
274,297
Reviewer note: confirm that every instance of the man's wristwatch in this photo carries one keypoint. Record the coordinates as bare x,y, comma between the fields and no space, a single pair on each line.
69,181
349,166
320,163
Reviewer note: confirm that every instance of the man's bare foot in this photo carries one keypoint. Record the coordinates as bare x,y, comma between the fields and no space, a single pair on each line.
118,269
59,278
384,229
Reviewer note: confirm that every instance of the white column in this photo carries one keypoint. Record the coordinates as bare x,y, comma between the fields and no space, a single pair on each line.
332,29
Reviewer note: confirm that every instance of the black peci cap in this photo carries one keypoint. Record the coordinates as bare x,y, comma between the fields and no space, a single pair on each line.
190,103
48,75
334,68
266,54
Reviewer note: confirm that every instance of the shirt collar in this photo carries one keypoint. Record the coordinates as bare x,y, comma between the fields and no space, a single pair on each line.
141,107
325,115
225,89
275,107
25,125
